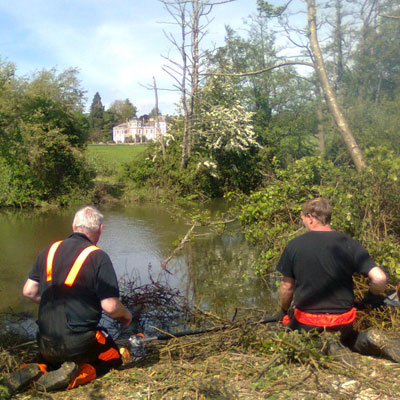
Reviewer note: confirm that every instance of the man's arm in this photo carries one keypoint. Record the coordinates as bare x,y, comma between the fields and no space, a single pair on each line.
31,290
377,280
115,309
286,292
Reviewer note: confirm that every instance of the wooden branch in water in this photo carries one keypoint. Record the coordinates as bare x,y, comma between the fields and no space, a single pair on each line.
179,247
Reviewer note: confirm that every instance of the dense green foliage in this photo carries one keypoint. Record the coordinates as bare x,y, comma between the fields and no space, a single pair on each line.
365,206
42,133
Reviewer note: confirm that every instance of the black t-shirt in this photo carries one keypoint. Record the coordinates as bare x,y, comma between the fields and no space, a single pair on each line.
95,281
323,263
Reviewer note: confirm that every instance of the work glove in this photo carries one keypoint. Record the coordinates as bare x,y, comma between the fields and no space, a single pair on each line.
371,300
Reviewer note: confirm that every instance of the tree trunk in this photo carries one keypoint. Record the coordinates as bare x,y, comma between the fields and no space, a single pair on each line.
195,71
186,118
355,152
157,122
320,116
339,50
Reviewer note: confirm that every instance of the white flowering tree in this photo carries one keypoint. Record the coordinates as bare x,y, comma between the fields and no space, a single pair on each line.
224,130
225,123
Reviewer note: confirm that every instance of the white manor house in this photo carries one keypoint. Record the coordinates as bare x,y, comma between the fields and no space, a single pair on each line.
139,130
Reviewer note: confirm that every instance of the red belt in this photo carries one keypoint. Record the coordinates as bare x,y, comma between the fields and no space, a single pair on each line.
324,319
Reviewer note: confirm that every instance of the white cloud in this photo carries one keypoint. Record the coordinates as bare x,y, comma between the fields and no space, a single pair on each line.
117,45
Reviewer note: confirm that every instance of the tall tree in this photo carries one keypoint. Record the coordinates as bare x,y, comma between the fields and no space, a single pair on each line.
123,110
314,51
96,117
188,15
96,112
330,97
42,132
156,114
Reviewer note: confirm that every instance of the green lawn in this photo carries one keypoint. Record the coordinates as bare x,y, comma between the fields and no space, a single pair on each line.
115,154
107,160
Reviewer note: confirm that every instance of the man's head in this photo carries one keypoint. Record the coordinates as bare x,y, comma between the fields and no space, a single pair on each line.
319,210
88,220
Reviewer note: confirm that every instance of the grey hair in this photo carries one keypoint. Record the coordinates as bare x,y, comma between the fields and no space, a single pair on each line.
87,219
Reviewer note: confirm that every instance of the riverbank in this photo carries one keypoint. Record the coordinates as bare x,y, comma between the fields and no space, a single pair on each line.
240,363
244,361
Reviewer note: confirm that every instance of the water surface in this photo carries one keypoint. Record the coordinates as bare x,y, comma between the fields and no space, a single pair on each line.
209,270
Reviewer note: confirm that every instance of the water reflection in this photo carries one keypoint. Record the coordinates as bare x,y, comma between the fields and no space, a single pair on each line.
209,270
221,276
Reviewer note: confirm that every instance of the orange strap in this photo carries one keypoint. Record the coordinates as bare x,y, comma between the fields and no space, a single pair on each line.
85,374
100,338
50,257
42,367
78,265
109,354
325,319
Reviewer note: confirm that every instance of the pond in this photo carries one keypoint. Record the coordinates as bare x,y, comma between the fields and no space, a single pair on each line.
210,270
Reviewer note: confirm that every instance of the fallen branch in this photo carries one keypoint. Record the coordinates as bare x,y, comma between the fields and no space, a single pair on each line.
179,247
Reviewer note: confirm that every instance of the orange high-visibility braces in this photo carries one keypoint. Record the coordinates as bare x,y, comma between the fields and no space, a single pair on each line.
50,257
76,267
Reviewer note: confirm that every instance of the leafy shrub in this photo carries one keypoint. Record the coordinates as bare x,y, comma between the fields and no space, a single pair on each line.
365,206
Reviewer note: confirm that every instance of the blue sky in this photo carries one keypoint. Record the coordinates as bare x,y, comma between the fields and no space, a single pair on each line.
115,44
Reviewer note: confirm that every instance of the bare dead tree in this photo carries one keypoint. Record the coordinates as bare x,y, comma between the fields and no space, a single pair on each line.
188,15
157,121
390,16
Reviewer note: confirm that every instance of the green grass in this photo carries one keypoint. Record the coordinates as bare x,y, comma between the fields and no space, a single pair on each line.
114,155
107,160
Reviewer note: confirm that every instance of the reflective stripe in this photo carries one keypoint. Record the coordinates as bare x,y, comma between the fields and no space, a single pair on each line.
85,374
78,264
50,257
110,354
100,337
325,319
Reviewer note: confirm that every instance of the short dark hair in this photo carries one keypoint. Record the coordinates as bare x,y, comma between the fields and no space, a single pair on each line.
319,208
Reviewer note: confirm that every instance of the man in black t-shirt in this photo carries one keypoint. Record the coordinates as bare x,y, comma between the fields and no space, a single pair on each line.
73,281
317,285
